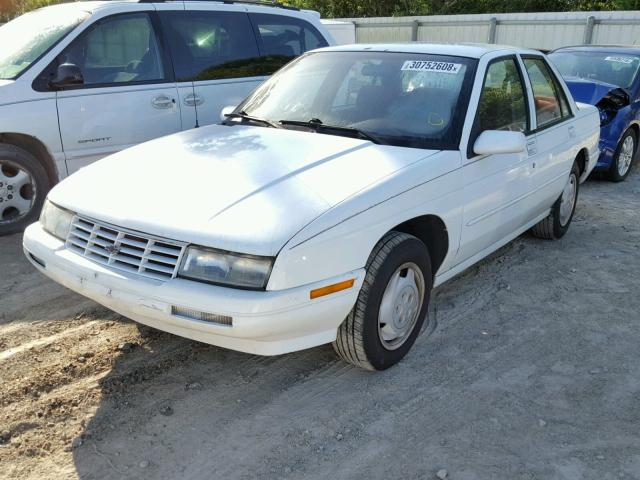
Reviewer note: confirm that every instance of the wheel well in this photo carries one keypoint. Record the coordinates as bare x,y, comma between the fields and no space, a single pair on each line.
34,147
433,233
582,160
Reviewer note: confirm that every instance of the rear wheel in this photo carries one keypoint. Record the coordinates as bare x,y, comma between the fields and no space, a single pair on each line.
23,187
557,223
391,306
623,157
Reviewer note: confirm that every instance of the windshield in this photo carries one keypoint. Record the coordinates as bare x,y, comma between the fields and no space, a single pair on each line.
28,37
613,68
402,99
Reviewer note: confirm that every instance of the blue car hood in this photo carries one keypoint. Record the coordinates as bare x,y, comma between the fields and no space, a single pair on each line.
593,91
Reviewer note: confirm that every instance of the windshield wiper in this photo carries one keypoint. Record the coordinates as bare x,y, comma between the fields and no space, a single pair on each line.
317,126
245,116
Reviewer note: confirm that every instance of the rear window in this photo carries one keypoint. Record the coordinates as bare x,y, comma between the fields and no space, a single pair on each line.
283,38
211,45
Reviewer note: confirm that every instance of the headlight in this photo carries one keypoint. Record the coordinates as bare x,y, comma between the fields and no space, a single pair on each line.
56,220
226,268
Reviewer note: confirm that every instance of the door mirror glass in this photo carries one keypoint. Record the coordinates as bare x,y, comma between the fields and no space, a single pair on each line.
493,142
67,75
226,111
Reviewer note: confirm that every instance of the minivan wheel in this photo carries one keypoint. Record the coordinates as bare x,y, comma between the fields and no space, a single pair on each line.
623,157
557,223
23,187
392,304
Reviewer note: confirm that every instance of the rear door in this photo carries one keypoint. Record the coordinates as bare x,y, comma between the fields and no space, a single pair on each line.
554,132
128,95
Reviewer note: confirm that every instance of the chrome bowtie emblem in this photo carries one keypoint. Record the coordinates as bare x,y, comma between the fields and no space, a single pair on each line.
112,249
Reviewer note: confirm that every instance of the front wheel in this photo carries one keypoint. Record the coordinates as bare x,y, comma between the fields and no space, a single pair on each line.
623,157
23,187
392,304
557,223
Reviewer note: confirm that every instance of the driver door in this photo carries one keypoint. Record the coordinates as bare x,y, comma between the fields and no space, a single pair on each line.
497,187
128,95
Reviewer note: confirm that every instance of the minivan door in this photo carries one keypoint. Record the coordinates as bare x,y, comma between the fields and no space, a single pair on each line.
214,49
128,94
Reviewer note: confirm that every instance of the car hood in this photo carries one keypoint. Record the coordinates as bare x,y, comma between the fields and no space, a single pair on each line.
243,189
593,91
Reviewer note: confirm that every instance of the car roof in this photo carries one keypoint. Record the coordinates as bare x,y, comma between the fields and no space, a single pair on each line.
606,48
93,5
471,50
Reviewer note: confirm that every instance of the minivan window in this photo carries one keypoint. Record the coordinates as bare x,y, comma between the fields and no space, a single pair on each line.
211,45
120,49
284,38
25,39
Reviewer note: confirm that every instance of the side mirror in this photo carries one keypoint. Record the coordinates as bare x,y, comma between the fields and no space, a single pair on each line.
493,142
226,111
67,75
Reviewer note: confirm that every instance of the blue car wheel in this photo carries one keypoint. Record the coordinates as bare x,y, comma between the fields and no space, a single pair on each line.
623,157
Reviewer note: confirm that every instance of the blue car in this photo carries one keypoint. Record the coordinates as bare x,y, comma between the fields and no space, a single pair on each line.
607,77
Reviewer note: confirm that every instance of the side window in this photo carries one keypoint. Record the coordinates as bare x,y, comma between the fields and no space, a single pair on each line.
502,101
120,49
550,100
284,38
211,45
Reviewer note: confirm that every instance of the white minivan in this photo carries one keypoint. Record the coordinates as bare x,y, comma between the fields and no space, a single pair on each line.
83,80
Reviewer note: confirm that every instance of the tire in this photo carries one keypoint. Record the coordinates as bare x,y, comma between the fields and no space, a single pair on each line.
623,157
557,223
362,339
23,187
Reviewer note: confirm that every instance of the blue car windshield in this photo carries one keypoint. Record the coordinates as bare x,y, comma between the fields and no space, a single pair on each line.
618,69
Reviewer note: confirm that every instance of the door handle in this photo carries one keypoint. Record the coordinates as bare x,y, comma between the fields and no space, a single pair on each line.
163,101
532,147
193,100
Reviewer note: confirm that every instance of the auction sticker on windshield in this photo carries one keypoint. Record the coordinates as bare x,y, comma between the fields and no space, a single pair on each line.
428,66
620,59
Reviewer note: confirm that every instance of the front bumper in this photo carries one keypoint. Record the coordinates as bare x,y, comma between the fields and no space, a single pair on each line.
264,322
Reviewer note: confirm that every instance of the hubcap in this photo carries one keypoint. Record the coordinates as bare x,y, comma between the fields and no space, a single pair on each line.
400,306
568,200
17,192
626,156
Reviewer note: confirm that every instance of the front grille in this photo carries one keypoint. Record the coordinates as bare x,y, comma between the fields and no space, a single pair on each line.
130,251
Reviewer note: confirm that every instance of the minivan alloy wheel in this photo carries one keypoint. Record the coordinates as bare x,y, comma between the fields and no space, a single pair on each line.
17,192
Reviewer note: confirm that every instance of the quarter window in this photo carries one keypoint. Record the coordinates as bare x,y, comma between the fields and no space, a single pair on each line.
502,102
121,49
550,101
284,38
211,45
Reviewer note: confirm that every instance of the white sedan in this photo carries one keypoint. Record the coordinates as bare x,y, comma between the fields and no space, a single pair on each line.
329,203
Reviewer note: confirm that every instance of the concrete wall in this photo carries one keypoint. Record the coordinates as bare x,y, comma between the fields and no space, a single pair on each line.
534,30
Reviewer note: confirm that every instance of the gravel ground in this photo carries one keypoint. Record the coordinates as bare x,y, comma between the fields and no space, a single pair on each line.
531,372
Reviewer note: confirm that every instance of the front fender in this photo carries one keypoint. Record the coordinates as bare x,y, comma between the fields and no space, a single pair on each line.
342,239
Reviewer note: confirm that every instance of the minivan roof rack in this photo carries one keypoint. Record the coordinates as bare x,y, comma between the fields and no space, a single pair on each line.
264,3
